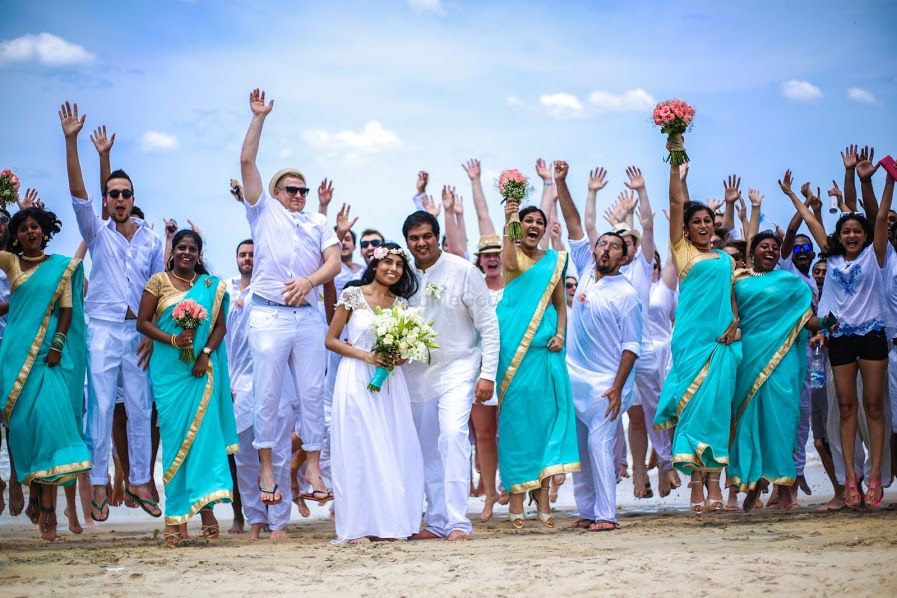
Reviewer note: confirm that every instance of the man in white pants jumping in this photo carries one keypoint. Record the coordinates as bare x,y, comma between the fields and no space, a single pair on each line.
295,252
453,295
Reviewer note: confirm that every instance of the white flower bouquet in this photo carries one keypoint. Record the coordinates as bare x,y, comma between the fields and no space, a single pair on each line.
401,333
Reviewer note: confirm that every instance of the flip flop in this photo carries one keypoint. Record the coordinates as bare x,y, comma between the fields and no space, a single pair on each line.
99,509
143,503
315,495
272,492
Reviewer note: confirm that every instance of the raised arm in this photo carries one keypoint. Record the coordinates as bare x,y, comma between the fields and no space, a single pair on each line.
252,179
865,170
484,221
546,202
816,229
645,215
597,182
325,196
880,241
732,191
554,231
668,274
741,209
71,126
459,223
677,206
791,230
454,243
568,209
103,143
683,177
756,199
835,192
849,158
419,199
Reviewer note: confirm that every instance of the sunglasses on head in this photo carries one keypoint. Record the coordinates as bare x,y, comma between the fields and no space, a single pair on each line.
805,248
371,243
291,190
126,193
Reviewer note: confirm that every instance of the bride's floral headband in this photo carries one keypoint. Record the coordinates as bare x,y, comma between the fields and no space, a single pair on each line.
381,252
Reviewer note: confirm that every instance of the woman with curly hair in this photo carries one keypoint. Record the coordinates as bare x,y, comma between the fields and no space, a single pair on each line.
42,361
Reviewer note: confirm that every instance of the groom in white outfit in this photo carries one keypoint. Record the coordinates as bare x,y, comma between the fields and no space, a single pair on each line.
453,295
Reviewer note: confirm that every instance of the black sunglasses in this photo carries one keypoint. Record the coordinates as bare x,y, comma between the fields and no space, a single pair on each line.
805,248
4,219
371,243
126,193
291,190
570,285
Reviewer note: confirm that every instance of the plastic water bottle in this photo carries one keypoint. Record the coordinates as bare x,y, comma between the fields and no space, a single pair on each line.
817,368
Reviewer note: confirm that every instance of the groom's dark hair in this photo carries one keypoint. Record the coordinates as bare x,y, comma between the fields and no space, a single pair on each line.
416,219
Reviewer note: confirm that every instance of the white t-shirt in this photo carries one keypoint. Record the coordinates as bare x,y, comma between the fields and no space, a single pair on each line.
661,313
639,273
854,293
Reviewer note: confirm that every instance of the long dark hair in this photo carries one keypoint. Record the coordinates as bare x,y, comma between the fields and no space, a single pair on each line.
405,287
834,240
48,222
693,207
529,210
199,268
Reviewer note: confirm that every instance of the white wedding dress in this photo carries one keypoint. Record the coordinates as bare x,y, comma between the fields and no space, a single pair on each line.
376,462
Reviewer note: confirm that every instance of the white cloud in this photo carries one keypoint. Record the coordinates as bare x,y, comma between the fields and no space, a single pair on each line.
434,6
631,99
513,102
372,139
562,104
43,48
862,96
801,91
157,141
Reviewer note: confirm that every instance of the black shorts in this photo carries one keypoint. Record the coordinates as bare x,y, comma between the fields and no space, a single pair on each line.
844,350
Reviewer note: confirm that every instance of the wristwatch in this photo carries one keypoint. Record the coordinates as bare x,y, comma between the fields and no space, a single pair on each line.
207,350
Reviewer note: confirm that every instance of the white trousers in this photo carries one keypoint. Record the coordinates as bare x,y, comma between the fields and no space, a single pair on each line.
288,341
442,427
112,355
595,485
803,427
620,449
247,460
651,369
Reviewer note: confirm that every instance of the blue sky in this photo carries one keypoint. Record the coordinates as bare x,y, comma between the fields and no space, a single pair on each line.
369,93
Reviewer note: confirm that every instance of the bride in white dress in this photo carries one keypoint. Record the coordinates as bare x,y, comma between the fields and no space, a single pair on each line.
375,454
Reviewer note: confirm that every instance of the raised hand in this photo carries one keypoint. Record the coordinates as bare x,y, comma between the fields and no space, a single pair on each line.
448,198
814,202
70,121
849,156
785,183
867,153
472,168
195,228
835,191
626,203
171,227
236,189
430,206
561,169
31,200
325,194
805,190
865,169
714,204
101,141
755,197
343,224
512,206
459,205
257,103
554,231
636,180
423,177
732,188
543,170
683,172
597,179
741,208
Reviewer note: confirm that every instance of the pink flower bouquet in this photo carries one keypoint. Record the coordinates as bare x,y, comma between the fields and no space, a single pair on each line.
514,186
188,314
9,187
674,118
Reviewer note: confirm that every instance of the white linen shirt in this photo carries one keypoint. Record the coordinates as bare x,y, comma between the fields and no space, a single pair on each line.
661,313
288,246
239,356
639,273
454,296
119,268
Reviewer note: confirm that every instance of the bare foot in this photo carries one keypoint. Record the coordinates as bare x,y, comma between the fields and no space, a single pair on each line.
554,486
279,534
603,526
503,498
622,472
581,524
300,504
652,461
236,527
361,540
486,513
640,483
773,500
732,502
74,524
16,499
117,496
663,484
750,501
255,529
2,500
835,504
46,523
784,498
424,534
458,536
673,476
802,484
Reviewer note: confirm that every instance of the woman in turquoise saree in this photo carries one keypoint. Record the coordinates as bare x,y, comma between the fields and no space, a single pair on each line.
697,394
536,421
42,362
195,413
775,307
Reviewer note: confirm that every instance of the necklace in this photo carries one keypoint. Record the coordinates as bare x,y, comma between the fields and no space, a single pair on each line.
190,282
754,273
33,259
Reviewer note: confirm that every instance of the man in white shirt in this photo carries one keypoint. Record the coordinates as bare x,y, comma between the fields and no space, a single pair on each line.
295,251
454,296
605,341
124,253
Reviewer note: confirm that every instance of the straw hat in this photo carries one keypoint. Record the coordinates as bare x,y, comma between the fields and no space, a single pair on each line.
282,173
489,244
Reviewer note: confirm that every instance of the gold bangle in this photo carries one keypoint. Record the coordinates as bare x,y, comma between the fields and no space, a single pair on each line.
174,341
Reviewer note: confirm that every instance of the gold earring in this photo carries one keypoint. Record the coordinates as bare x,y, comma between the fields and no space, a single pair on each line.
46,238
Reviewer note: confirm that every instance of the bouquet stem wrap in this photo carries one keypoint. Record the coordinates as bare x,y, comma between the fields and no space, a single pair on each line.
380,375
676,146
188,355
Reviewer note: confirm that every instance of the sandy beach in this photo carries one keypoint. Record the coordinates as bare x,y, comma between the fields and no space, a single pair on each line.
657,549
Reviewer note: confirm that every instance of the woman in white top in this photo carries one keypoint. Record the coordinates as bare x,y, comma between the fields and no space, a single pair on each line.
854,294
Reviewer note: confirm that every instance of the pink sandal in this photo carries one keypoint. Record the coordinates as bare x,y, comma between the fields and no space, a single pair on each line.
852,496
870,494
